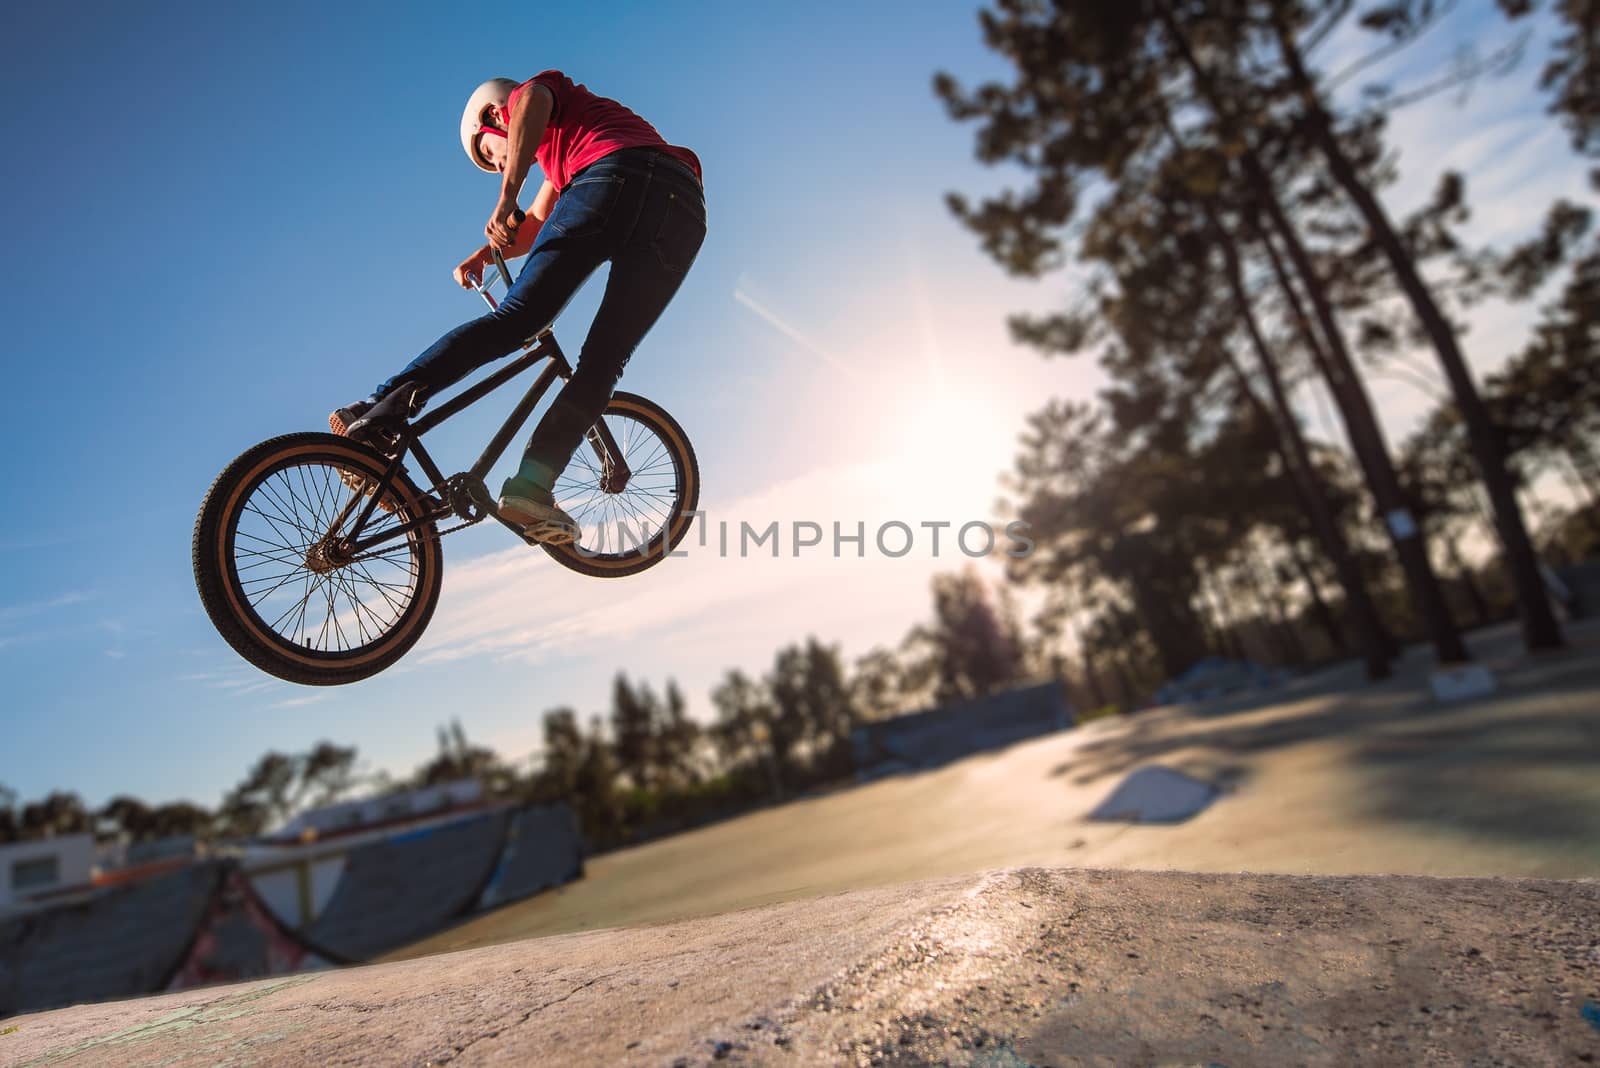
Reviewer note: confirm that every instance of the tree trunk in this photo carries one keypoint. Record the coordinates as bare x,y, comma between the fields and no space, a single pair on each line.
1365,434
1258,634
1091,680
1125,689
1325,617
1270,596
1297,461
1480,607
1539,627
1582,462
1225,625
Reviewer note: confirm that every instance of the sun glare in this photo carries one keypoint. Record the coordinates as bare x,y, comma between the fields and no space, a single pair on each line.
950,447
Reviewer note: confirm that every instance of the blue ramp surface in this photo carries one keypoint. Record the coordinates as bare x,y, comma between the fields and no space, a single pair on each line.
124,940
404,888
543,849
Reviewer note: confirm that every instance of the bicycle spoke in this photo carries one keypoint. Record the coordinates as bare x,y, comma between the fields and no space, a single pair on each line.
260,596
305,604
272,523
301,606
359,606
276,518
645,507
288,510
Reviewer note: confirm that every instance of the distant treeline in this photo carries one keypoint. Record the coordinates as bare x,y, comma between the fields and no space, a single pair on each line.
643,768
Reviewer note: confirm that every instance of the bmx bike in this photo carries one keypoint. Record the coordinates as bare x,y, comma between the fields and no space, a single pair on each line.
318,557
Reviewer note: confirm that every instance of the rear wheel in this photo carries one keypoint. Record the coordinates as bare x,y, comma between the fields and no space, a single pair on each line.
274,580
624,531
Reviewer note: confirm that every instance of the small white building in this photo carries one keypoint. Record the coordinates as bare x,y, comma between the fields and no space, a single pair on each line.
42,865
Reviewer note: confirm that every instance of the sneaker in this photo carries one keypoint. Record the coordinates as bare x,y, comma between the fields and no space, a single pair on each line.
381,424
531,506
341,419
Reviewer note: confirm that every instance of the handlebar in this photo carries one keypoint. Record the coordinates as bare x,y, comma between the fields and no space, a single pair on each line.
481,286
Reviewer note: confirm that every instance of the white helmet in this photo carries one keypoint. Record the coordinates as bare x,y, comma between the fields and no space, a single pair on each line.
476,118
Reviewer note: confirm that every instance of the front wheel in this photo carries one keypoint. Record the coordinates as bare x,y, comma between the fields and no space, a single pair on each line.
274,582
625,529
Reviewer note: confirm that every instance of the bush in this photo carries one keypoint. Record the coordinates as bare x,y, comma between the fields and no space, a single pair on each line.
1102,712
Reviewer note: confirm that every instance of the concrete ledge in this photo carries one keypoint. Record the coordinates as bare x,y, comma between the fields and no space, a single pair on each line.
1020,967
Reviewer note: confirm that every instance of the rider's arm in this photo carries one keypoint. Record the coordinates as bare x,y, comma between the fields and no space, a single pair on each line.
543,202
524,131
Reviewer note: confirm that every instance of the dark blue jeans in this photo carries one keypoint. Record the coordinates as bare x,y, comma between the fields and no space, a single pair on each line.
642,211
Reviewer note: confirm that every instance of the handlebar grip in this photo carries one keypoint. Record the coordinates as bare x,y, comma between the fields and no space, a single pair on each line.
517,215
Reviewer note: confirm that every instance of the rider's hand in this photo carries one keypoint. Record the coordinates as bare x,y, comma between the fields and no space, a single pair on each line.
502,228
470,271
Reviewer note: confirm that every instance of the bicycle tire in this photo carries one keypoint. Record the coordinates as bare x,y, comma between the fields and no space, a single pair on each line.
686,496
228,603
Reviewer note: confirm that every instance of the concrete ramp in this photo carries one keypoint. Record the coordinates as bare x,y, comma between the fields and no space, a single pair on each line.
402,888
543,848
239,938
1026,967
1156,795
943,735
121,940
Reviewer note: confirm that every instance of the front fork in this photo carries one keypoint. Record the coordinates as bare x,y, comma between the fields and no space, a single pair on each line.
614,470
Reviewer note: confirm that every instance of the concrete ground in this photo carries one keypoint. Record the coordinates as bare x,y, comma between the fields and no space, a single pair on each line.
1015,969
851,929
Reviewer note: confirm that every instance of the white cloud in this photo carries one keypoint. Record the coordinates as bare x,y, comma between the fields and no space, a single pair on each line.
50,604
296,702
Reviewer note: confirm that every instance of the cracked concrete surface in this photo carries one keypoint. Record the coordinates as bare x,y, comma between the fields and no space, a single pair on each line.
1026,967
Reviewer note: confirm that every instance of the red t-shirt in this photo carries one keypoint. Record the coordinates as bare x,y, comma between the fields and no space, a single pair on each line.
584,127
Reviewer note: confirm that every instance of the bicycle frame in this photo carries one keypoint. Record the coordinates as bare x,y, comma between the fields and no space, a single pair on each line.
542,346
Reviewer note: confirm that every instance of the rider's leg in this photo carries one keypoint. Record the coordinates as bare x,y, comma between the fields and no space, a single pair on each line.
645,275
556,267
578,236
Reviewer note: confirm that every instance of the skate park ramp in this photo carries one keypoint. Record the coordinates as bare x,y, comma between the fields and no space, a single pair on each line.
1157,795
543,848
402,888
196,924
119,940
1018,969
940,736
239,937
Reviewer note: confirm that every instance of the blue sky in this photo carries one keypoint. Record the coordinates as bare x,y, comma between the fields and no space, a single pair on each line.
223,221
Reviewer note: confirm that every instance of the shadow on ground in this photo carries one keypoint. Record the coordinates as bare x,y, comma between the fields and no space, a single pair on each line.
1506,765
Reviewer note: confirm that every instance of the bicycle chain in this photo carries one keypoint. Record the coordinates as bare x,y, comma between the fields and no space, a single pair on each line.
374,554
448,489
